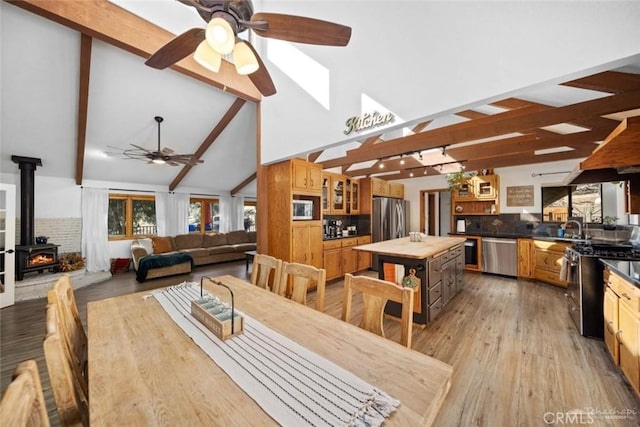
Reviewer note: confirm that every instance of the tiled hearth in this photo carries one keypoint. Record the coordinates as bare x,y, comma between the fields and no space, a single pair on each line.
36,285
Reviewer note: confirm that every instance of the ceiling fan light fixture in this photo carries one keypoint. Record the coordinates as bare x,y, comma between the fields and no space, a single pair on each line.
158,161
207,57
220,35
244,59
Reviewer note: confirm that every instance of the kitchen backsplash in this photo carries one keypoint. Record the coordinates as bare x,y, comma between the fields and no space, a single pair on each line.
527,224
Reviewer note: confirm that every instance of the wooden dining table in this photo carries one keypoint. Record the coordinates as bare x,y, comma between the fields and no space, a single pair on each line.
144,370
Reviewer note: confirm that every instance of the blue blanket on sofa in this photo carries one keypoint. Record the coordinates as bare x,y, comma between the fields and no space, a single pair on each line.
157,261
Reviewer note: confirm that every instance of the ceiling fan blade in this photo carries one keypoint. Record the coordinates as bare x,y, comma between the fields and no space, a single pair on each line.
178,48
167,150
261,78
140,148
300,29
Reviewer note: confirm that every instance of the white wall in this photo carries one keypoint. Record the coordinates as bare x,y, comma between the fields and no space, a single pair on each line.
418,59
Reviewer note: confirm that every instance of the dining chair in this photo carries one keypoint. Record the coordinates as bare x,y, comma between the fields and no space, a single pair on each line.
296,279
23,401
67,383
266,272
375,294
62,296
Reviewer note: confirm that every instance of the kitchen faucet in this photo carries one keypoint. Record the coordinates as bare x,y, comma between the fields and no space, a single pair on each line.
577,223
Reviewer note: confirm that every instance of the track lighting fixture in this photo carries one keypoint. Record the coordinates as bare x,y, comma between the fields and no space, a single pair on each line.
411,172
380,164
420,155
402,159
444,150
425,170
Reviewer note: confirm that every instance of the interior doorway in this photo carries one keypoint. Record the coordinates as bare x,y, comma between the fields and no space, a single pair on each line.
435,212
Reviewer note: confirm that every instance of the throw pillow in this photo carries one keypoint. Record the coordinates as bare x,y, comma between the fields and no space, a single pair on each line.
147,244
162,245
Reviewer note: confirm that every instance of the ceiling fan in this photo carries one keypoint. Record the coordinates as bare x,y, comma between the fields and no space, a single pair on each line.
161,156
228,18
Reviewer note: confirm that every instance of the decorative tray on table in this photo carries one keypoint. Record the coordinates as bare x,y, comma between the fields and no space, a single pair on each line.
217,316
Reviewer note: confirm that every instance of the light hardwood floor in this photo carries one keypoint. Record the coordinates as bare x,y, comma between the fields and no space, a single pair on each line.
517,358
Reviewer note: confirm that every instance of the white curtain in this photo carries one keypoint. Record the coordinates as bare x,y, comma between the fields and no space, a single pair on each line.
225,214
95,234
231,213
172,213
237,213
162,201
178,214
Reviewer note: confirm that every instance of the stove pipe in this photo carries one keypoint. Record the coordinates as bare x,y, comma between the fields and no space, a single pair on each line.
27,166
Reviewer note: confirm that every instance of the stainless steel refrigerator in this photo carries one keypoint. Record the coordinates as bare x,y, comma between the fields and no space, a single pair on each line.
390,220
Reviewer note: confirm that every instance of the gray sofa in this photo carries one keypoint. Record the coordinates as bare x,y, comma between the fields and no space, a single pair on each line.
203,248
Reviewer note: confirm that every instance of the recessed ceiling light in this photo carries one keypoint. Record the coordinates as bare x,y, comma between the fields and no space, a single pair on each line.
553,150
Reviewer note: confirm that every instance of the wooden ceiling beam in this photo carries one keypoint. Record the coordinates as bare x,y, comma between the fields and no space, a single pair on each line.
215,133
497,124
505,161
608,81
243,184
421,126
494,150
470,114
112,24
83,104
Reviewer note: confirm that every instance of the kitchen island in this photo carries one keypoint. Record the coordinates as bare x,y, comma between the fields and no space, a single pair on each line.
434,265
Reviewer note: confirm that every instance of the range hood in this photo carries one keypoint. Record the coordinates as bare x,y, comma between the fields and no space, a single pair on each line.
616,159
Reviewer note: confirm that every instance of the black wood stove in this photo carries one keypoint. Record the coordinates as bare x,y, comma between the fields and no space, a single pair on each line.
29,255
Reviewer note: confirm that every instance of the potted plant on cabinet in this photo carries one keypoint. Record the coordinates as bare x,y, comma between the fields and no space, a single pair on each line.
456,180
609,222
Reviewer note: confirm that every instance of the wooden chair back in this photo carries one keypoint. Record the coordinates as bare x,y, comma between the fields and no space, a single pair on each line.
297,278
67,383
266,272
71,326
23,401
375,294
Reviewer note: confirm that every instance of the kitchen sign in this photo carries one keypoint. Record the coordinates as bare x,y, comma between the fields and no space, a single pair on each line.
367,121
520,196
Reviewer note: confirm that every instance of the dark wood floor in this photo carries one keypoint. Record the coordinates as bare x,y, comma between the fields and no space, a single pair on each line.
517,358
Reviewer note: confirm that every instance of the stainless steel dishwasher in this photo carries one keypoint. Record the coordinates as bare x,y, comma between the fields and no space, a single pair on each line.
500,256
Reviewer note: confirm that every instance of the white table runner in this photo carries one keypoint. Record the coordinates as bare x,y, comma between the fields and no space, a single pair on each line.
295,386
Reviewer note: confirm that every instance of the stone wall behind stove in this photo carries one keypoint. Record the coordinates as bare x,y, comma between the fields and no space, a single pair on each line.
66,232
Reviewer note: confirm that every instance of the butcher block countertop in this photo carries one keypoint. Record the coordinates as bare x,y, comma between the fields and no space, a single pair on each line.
405,248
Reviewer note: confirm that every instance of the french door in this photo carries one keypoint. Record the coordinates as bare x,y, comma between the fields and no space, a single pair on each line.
7,244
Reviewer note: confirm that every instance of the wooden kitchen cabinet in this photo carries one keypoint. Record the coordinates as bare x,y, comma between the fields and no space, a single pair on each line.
339,257
486,186
379,187
479,197
352,196
364,258
548,261
611,325
525,258
307,177
629,324
396,190
307,243
622,326
289,240
332,259
337,192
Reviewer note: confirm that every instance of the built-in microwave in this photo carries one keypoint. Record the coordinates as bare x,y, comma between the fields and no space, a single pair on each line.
302,210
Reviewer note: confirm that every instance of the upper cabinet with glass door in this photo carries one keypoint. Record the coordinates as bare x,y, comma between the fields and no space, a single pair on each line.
338,184
486,187
355,196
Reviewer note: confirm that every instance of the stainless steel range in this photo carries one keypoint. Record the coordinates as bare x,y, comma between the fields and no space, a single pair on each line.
585,290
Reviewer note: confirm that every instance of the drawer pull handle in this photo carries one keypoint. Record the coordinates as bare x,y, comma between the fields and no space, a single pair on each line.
626,296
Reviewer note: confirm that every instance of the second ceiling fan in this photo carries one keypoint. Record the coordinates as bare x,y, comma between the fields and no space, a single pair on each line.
228,18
